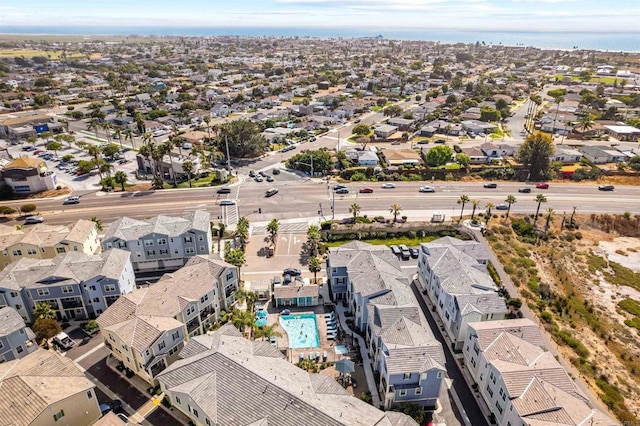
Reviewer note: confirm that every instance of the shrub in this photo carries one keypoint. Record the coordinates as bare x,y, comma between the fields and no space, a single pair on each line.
28,208
523,228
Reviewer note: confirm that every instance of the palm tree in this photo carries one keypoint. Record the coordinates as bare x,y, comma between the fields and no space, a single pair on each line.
120,178
315,267
464,199
107,130
98,223
395,210
128,135
165,147
187,166
117,133
249,297
313,239
489,206
43,310
572,216
550,212
207,120
177,143
539,199
511,199
242,231
355,209
94,125
557,100
585,122
267,331
475,204
272,229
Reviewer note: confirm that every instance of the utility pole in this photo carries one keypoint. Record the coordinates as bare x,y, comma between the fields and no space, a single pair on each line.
226,142
333,204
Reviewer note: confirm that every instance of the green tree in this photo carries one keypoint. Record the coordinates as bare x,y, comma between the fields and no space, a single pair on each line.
110,150
355,209
236,258
550,213
98,223
242,231
28,208
361,130
188,167
272,229
395,210
463,159
322,161
585,122
489,206
475,204
315,267
439,155
43,310
510,201
244,139
464,199
267,331
540,198
45,328
6,210
85,166
313,239
128,135
54,146
393,111
120,178
534,153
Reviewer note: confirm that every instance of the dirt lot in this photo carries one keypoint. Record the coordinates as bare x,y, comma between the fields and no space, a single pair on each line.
578,281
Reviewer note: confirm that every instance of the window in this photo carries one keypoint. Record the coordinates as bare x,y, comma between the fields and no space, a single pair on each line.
89,395
204,298
67,289
407,376
1,344
60,250
191,309
57,416
499,407
200,238
161,241
229,276
14,294
109,245
489,390
418,391
163,251
208,422
17,252
96,300
75,248
42,250
188,239
403,392
43,292
32,251
162,345
195,412
173,350
109,288
175,335
178,399
148,243
92,287
189,250
201,248
19,349
151,252
476,348
439,375
22,331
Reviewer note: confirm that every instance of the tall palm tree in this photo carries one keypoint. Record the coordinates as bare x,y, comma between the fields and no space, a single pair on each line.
43,310
557,100
585,122
117,134
489,206
128,135
313,239
550,213
475,204
355,209
207,121
395,210
187,167
94,125
573,213
166,147
120,178
511,199
315,267
464,199
107,130
268,331
272,229
539,199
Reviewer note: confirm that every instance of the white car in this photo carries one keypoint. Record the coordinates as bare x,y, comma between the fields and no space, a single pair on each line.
388,186
228,202
427,189
34,219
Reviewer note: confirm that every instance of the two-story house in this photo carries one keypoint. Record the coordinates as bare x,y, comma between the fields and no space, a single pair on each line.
47,241
76,285
16,339
253,384
147,328
163,243
27,175
45,388
520,380
453,274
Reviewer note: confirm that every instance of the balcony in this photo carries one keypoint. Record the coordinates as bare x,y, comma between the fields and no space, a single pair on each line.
72,303
193,325
206,313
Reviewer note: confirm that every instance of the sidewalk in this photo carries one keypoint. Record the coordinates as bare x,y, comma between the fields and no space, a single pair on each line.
366,361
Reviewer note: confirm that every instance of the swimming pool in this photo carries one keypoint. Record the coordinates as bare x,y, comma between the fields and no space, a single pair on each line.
302,330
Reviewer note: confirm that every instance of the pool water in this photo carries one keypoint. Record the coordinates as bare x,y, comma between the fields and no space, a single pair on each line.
302,330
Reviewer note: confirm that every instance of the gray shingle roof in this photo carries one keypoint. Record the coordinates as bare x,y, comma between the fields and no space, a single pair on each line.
524,328
129,229
10,321
483,303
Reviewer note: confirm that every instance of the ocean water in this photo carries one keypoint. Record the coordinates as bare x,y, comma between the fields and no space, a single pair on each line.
628,42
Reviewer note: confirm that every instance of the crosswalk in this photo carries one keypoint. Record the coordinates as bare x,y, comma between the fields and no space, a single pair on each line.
293,228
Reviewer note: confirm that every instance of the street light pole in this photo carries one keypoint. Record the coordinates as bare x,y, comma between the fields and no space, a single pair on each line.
226,142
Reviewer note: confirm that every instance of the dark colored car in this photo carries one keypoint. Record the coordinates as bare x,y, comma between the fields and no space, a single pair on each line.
606,187
502,206
276,171
292,271
490,185
414,252
224,191
440,141
366,190
524,190
542,185
252,173
336,187
342,191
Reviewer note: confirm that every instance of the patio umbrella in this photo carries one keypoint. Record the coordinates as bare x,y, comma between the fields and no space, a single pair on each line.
345,366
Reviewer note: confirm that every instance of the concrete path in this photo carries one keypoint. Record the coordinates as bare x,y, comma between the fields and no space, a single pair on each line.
366,361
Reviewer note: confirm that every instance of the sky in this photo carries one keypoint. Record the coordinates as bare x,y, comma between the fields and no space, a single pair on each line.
499,15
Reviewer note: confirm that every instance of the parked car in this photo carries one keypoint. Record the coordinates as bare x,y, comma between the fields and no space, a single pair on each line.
342,191
366,190
606,187
542,185
228,202
115,406
388,185
276,171
269,179
502,206
271,192
63,341
440,141
524,190
259,178
34,219
285,312
395,250
414,252
404,251
224,191
71,200
187,146
252,173
292,271
427,189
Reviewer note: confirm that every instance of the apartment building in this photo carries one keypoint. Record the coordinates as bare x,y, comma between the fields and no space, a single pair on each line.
147,328
47,241
44,388
76,285
404,352
520,380
253,384
16,339
163,243
453,274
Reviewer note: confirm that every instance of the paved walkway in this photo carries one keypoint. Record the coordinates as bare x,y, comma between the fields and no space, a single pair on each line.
366,361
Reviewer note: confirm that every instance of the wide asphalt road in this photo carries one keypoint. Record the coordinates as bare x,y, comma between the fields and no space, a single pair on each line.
304,198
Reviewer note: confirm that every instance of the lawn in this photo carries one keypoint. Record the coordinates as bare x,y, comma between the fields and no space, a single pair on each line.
16,53
376,108
195,183
410,242
605,80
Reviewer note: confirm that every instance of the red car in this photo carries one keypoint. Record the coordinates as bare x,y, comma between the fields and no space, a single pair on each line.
542,185
366,190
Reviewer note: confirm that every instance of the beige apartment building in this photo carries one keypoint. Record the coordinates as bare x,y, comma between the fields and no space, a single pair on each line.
47,241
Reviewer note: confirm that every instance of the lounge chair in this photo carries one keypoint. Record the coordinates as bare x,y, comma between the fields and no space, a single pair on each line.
301,356
329,315
331,330
331,337
311,358
317,355
333,322
324,356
